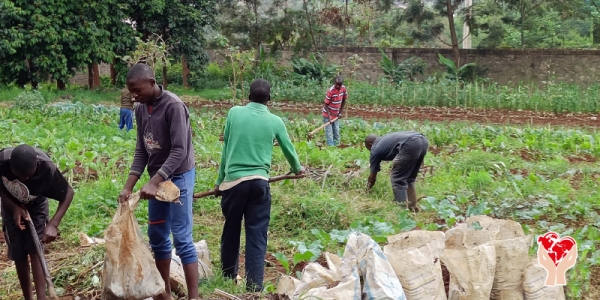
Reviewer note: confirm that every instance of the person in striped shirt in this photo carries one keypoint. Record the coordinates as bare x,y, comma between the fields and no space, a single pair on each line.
335,100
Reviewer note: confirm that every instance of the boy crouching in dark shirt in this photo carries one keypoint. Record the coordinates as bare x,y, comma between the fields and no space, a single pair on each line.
29,177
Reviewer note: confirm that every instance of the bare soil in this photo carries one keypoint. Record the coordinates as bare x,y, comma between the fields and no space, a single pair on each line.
300,266
439,114
594,292
273,269
446,278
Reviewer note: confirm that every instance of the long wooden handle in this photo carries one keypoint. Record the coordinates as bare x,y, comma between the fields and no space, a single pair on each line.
226,295
272,179
322,126
40,253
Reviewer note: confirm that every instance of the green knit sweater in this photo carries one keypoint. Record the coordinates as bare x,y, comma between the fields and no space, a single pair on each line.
248,143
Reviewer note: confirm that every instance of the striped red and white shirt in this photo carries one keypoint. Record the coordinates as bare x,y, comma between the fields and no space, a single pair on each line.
333,101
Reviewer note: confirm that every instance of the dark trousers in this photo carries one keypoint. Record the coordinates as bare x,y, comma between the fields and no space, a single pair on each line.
20,242
250,200
408,161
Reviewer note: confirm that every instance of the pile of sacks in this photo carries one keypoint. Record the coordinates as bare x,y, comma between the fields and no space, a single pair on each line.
487,259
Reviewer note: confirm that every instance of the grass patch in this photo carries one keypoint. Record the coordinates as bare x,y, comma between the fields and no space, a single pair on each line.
551,97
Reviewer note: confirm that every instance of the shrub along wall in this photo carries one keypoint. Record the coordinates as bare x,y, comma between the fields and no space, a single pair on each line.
504,66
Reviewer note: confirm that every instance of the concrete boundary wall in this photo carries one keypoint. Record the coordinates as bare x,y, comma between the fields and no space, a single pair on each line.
503,65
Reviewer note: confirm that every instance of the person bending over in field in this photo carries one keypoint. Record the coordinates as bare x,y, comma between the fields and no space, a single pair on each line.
335,100
29,177
406,150
243,181
164,146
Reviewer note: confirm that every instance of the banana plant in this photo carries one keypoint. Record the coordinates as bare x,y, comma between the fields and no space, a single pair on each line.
464,73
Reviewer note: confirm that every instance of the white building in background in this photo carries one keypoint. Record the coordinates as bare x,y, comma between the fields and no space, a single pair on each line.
466,33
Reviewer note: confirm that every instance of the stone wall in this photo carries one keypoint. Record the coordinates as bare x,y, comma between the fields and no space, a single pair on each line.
503,65
81,77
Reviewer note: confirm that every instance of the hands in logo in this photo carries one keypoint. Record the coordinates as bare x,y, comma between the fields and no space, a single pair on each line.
556,255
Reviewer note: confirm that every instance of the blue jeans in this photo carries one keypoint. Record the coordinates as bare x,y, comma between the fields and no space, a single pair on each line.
251,201
166,218
332,132
126,118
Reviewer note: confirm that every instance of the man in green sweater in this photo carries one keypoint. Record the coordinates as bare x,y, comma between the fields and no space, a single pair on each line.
243,181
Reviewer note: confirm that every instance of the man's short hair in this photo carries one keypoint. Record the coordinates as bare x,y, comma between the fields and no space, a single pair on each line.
23,157
339,79
370,138
140,71
260,91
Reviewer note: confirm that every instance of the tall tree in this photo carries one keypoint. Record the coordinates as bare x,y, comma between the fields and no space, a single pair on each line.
448,9
38,41
182,24
524,8
423,25
122,33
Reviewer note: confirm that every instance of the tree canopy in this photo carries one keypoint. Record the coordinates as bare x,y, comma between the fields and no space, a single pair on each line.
41,39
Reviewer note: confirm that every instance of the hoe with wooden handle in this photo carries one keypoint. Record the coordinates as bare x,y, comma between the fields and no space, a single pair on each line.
272,179
310,134
40,253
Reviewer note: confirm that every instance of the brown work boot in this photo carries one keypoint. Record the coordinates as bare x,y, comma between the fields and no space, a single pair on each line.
412,198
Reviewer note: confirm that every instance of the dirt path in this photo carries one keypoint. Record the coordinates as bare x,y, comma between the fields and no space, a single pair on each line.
372,112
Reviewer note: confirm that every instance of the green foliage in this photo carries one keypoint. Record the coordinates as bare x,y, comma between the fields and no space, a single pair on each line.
493,24
153,52
314,68
267,67
406,70
283,260
422,23
560,98
30,99
37,41
174,75
239,61
185,22
466,72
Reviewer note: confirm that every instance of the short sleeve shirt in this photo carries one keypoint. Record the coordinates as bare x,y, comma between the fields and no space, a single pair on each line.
386,147
46,182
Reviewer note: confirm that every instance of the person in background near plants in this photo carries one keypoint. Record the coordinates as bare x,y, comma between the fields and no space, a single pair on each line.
335,100
126,113
164,146
243,183
406,150
29,177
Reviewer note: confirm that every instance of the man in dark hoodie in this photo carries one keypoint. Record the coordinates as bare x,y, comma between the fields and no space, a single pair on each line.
164,146
406,150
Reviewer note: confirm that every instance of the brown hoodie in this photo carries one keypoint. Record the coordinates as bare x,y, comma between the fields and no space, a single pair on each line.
164,137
